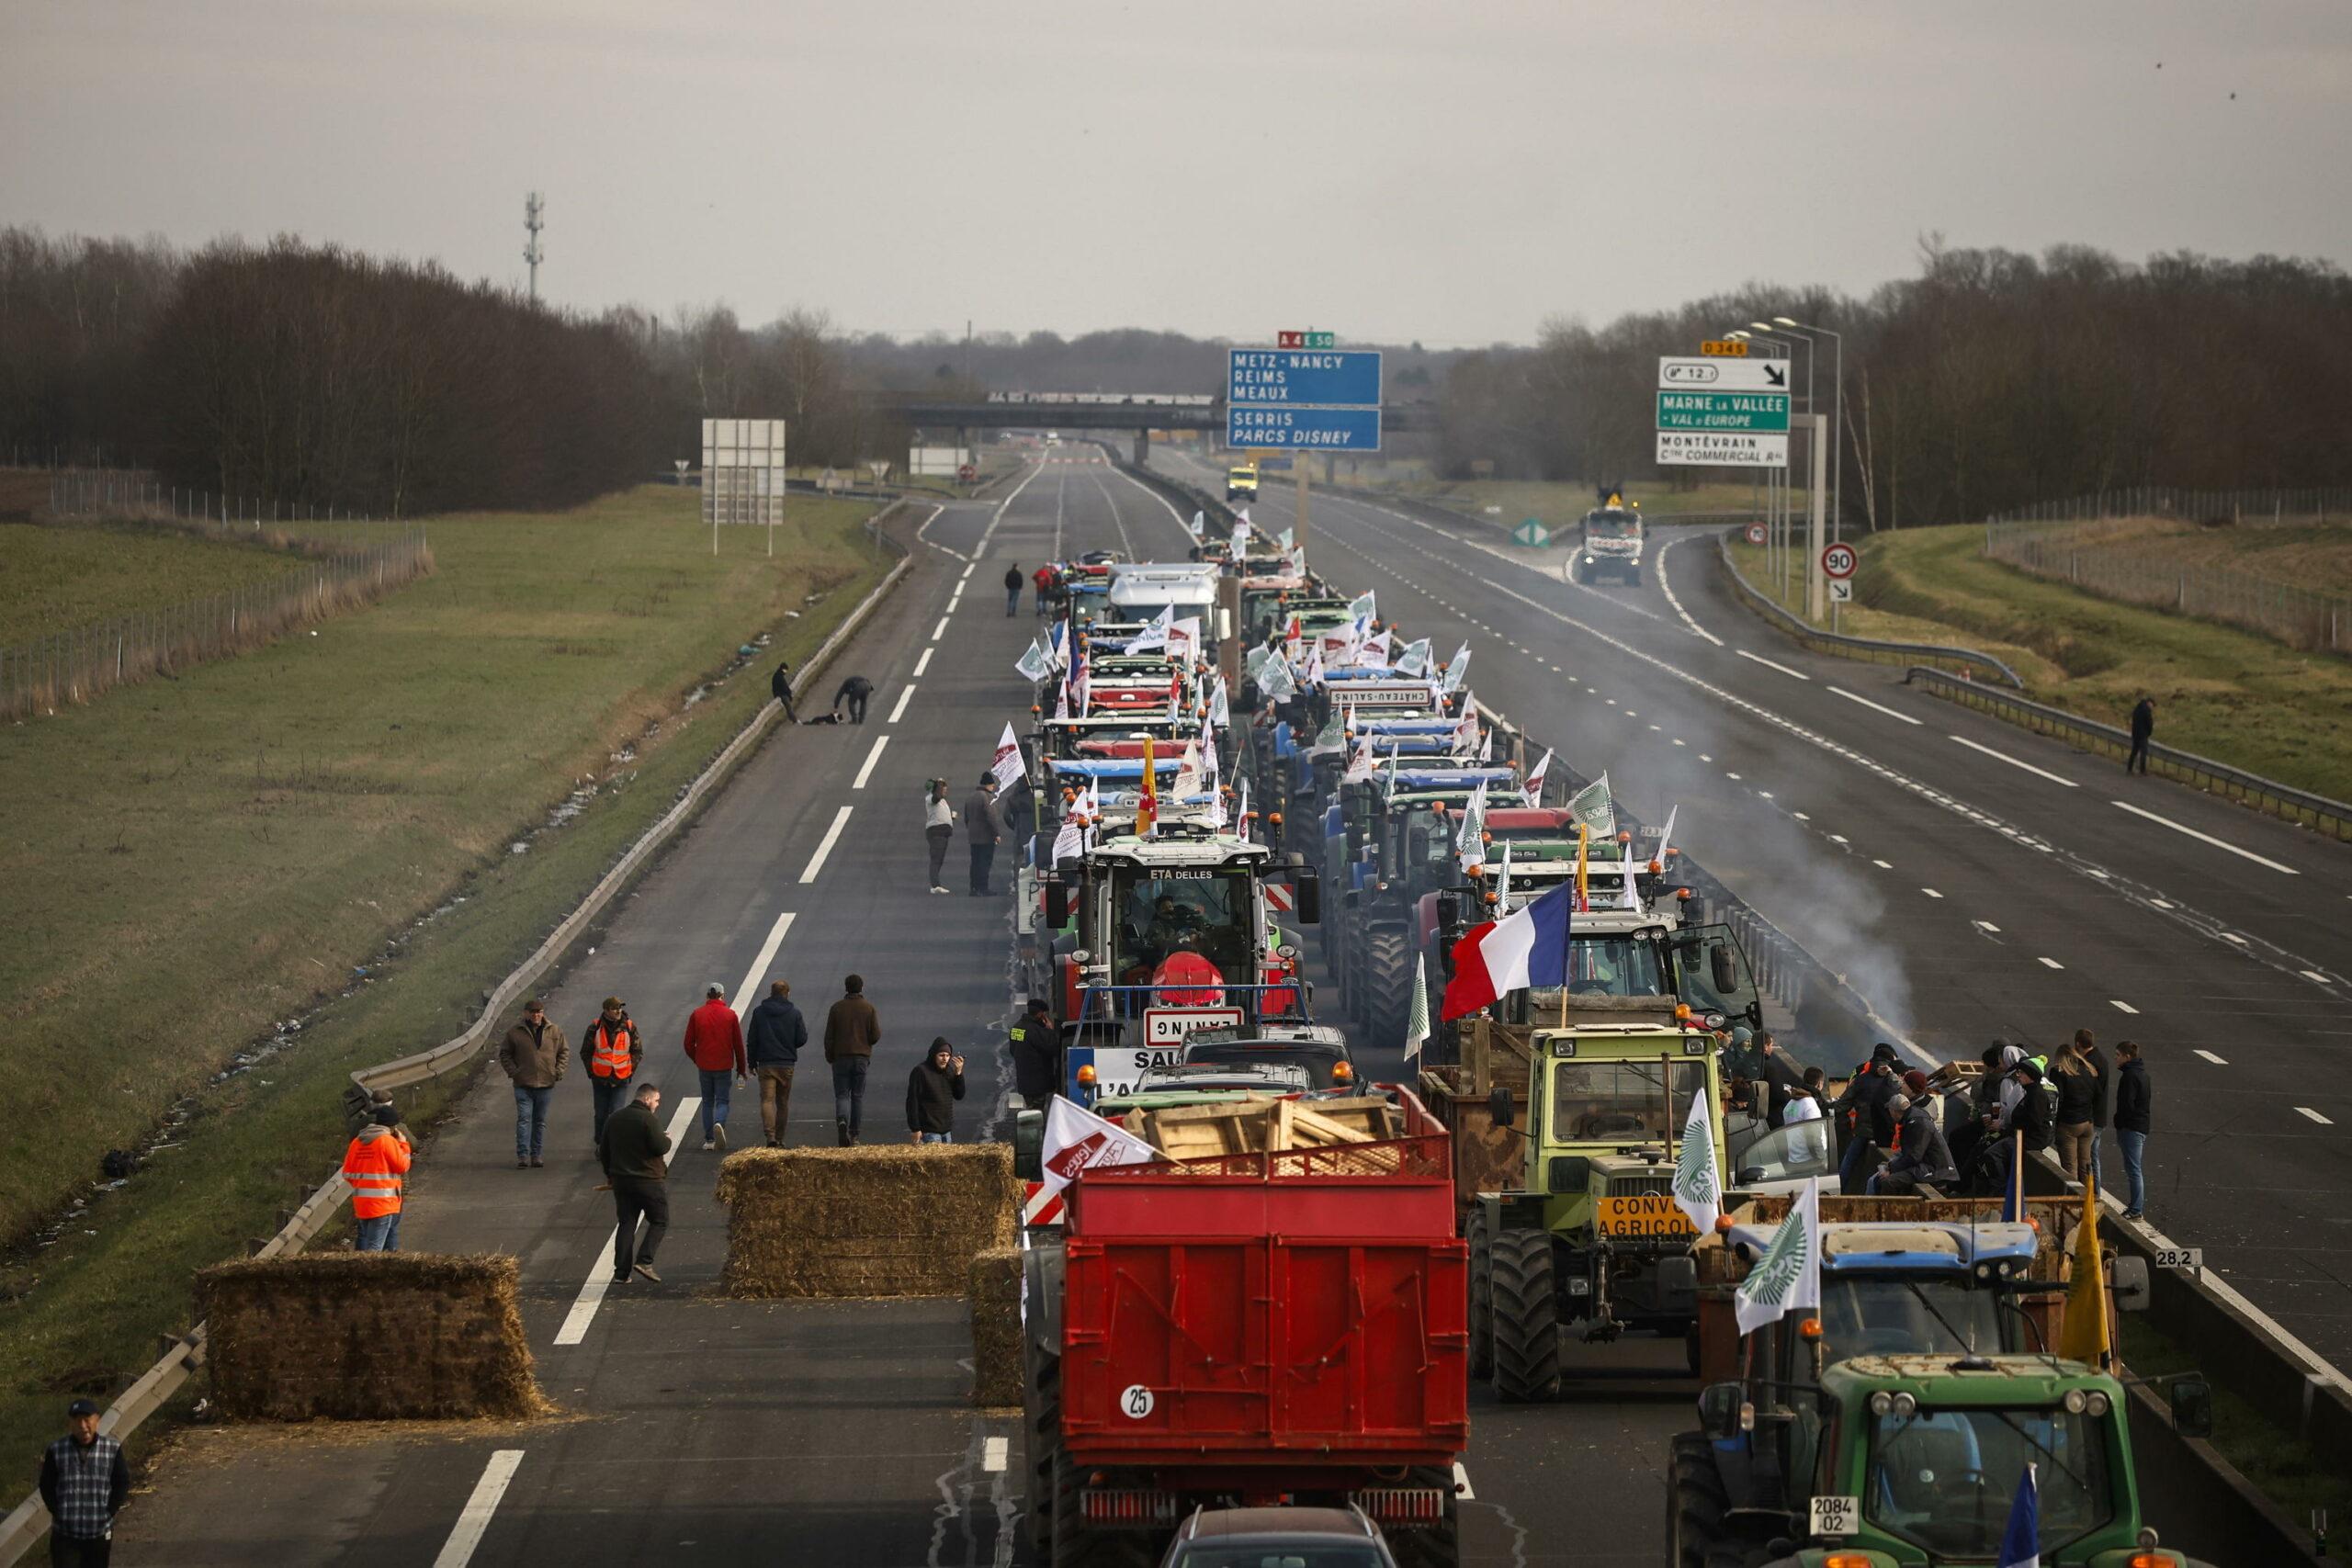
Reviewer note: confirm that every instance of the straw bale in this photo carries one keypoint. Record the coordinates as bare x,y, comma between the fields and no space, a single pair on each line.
877,1219
368,1336
996,1327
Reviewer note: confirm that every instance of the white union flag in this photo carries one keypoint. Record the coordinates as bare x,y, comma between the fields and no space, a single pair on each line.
1788,1277
1698,1182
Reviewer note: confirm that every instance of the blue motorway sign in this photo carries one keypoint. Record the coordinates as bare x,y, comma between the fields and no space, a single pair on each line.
1319,377
1303,429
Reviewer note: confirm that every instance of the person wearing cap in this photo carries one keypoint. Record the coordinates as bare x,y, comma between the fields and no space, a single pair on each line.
1864,1114
612,1049
2027,1122
852,1031
780,688
374,1165
714,1045
776,1031
984,825
84,1481
533,1055
1921,1154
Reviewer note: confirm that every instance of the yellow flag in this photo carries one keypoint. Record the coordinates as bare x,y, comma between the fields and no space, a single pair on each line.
2085,1337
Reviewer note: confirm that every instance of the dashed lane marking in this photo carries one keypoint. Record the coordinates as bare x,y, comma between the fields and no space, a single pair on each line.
2316,974
2314,1115
2119,1005
1987,927
921,664
2217,1061
1769,665
2050,964
994,1453
866,771
2015,762
2208,838
906,696
1875,707
940,630
473,1520
1882,864
1931,893
816,861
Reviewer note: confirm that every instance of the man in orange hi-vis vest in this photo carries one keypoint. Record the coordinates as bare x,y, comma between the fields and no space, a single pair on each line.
375,1165
612,1048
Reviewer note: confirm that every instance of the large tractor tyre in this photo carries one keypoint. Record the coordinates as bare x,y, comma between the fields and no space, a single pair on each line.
1388,991
1698,1533
1430,1546
1526,1317
1360,977
1041,1441
1482,1296
1074,1545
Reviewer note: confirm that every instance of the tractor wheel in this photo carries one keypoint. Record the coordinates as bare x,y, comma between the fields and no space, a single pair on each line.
1388,988
1526,1317
1698,1532
1041,1441
1482,1296
1433,1545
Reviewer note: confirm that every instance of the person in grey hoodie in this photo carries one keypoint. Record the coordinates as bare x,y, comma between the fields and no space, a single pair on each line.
776,1032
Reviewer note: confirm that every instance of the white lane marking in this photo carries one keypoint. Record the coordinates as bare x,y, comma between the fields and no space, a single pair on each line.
921,665
2217,1061
2232,936
1931,893
758,971
1986,926
898,709
2316,974
1763,795
2050,964
954,599
1667,588
966,572
1875,707
2208,838
1705,758
1800,816
1882,864
2119,1005
923,531
600,1269
1769,665
1837,838
982,547
940,630
871,757
2004,756
1731,775
1654,727
994,1453
816,861
473,1520
2315,1116
1461,1483
1677,741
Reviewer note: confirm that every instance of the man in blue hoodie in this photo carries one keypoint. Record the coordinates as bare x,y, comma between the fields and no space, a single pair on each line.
774,1040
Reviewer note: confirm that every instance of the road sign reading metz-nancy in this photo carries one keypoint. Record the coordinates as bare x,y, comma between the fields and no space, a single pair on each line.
1343,378
1763,414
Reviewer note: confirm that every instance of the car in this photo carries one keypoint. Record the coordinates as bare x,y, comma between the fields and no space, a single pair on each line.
1278,1537
1258,1077
1318,1048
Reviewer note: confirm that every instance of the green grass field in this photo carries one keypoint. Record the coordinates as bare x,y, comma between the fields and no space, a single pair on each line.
2315,556
2231,695
55,578
269,822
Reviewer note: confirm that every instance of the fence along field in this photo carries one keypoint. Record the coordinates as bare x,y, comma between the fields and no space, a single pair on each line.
78,664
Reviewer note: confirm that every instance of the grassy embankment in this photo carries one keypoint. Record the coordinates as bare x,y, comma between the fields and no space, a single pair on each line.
55,578
2233,696
189,860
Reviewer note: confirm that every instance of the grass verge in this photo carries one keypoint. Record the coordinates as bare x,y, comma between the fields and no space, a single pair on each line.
56,577
2231,695
518,670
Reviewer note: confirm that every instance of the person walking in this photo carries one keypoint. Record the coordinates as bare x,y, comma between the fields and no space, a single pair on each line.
852,1031
631,1151
984,826
2133,1098
1034,1044
780,688
1013,581
612,1049
2077,1085
938,829
2143,726
375,1165
1044,579
853,691
932,1089
715,1044
777,1033
84,1481
535,1055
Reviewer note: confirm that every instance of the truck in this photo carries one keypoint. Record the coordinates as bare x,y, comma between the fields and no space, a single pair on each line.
1249,1329
1241,482
1610,542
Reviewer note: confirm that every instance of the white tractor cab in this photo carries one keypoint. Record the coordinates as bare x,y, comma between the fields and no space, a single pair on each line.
1611,545
1153,937
1141,591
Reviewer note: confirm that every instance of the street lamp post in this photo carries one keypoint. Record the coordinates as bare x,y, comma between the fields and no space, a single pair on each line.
1836,418
1761,332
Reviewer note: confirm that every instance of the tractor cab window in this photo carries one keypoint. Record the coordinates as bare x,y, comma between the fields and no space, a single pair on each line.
1887,1317
1713,973
1624,1102
1205,912
1945,1479
1613,527
1624,965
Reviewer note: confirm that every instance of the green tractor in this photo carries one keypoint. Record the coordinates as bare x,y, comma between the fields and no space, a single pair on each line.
1911,1460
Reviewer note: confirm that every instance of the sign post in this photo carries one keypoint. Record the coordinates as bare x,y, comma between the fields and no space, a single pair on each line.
1815,590
1837,562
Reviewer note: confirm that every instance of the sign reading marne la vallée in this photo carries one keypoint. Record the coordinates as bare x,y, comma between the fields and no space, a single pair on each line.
1763,412
1317,378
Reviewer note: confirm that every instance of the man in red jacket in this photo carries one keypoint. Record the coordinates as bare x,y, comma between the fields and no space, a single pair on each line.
715,1041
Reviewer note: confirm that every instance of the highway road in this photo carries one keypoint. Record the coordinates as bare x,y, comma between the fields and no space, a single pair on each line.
832,1433
1972,880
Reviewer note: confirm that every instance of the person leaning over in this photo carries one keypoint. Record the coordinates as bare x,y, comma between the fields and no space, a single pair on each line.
613,1050
376,1167
777,1032
534,1053
631,1152
932,1089
84,1481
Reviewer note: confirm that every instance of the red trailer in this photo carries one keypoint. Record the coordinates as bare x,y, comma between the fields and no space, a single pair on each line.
1252,1329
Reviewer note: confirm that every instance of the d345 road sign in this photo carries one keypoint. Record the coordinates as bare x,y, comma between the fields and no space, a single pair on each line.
1838,561
1724,348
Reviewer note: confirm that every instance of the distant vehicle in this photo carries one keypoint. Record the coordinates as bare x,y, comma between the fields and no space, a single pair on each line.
1611,543
1241,483
1317,1049
1053,438
1251,1077
1323,1538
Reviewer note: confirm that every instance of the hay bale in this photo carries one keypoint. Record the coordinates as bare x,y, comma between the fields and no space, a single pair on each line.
880,1219
366,1337
996,1327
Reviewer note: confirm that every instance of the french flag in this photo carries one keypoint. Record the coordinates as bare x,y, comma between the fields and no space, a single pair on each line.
1526,948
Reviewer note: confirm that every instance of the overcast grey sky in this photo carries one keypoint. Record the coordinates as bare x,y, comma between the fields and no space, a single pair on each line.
1451,171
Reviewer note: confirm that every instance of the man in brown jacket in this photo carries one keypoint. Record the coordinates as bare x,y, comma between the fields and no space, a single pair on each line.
533,1055
852,1029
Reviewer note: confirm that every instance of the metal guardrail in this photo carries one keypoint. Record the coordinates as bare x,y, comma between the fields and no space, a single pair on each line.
2329,816
1852,646
25,1524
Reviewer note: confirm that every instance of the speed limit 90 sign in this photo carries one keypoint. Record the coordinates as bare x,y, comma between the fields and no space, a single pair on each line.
1839,561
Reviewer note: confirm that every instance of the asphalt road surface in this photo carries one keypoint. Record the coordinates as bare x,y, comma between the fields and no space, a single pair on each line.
1971,879
834,1433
